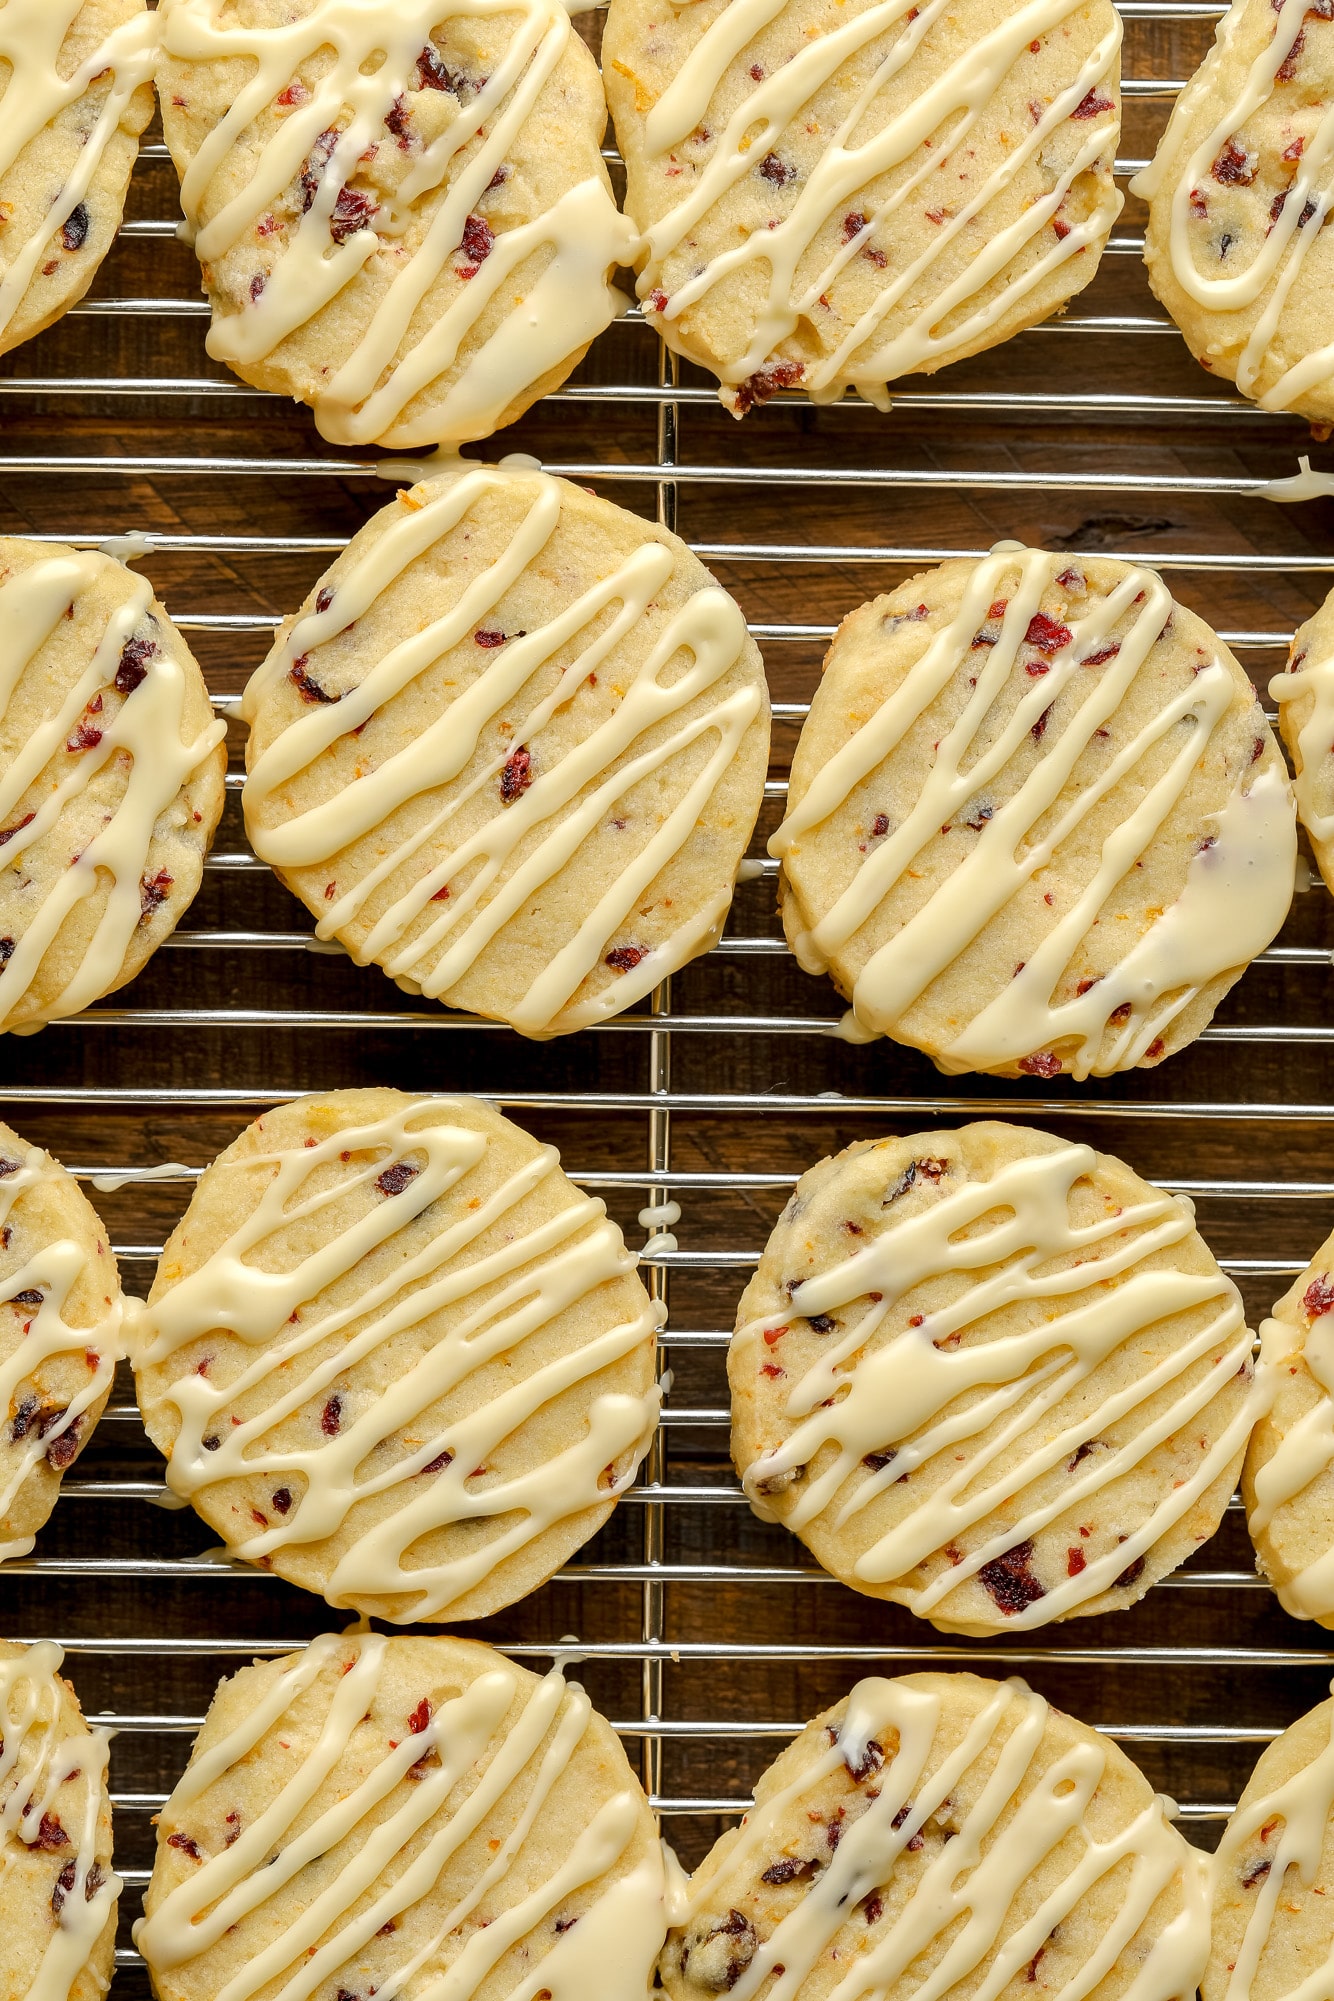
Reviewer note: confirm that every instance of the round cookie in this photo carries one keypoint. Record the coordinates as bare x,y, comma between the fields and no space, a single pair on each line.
58,1941
76,91
1238,195
1036,821
1288,1480
391,1353
112,776
1305,696
956,1825
836,193
60,1333
402,213
992,1376
1273,1929
512,750
464,1826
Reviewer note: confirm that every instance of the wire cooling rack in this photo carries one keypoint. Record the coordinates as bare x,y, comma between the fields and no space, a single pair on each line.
707,1636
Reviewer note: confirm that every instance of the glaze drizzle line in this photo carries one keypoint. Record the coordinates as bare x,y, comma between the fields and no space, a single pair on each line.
32,34
500,865
588,1962
1311,672
574,1252
356,103
935,1398
957,99
1237,886
141,729
39,1756
960,1906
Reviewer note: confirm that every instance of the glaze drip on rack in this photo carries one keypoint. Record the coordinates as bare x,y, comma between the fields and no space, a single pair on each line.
362,1890
547,1269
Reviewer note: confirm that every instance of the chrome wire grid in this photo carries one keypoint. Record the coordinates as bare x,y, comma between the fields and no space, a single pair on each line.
700,1629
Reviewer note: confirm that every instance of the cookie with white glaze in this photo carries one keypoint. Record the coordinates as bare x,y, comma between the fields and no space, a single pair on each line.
1037,821
1273,1878
1288,1480
512,750
1305,696
60,1333
838,193
112,776
402,213
991,1375
59,1936
457,1819
1239,192
75,93
958,1826
391,1353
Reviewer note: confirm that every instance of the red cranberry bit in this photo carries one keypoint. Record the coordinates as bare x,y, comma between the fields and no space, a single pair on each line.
757,72
1061,226
397,118
874,1908
871,1760
313,171
1287,69
325,598
1032,1971
1047,634
821,1323
354,210
1039,728
1010,1581
1235,167
281,1500
1044,1063
1107,651
64,1448
853,225
439,1463
50,1834
331,1417
517,775
1120,1014
790,1869
257,284
441,895
21,1421
310,690
477,240
658,301
880,826
432,74
186,1844
1155,1049
1255,1872
396,1177
624,958
132,669
1075,1561
767,382
74,232
64,1883
30,1296
295,93
85,737
153,893
776,170
1130,1575
1092,106
420,1717
1318,1298
489,638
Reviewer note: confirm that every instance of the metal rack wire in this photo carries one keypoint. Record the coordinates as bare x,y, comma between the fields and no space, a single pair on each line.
697,1623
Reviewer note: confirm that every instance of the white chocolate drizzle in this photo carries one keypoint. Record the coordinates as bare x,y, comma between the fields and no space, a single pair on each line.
957,99
54,1270
1292,1825
32,34
1238,885
39,1756
491,875
923,1396
141,729
606,1955
542,1270
1303,1453
1310,671
956,1916
581,235
1277,264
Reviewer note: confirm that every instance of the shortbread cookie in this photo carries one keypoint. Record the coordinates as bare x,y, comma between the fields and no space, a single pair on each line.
956,1826
1273,1928
1288,1482
59,1936
60,1333
512,750
1037,821
411,1816
393,1354
992,1376
836,195
401,211
1305,696
112,777
1239,191
75,93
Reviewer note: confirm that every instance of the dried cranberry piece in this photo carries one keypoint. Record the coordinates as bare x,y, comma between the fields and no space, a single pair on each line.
1092,105
1235,167
313,172
64,1448
1255,1872
132,668
30,1296
21,1422
871,1760
432,74
7,946
398,118
325,598
74,231
820,1323
1075,1561
439,1463
396,1177
153,893
1047,634
478,240
1010,1581
776,170
420,1717
50,1834
790,1869
874,1908
877,1461
185,1844
517,775
1287,69
880,826
1044,1063
353,210
280,1500
1318,1297
624,958
1130,1575
331,1417
64,1883
310,690
767,382
85,737
1107,651
489,638
1081,1453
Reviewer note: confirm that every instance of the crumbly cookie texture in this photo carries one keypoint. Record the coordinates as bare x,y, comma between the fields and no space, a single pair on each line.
75,93
1288,1480
1037,821
112,776
1273,1879
394,1355
945,1822
1238,198
402,214
60,1333
58,1940
407,1815
992,1376
1305,696
836,193
512,750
